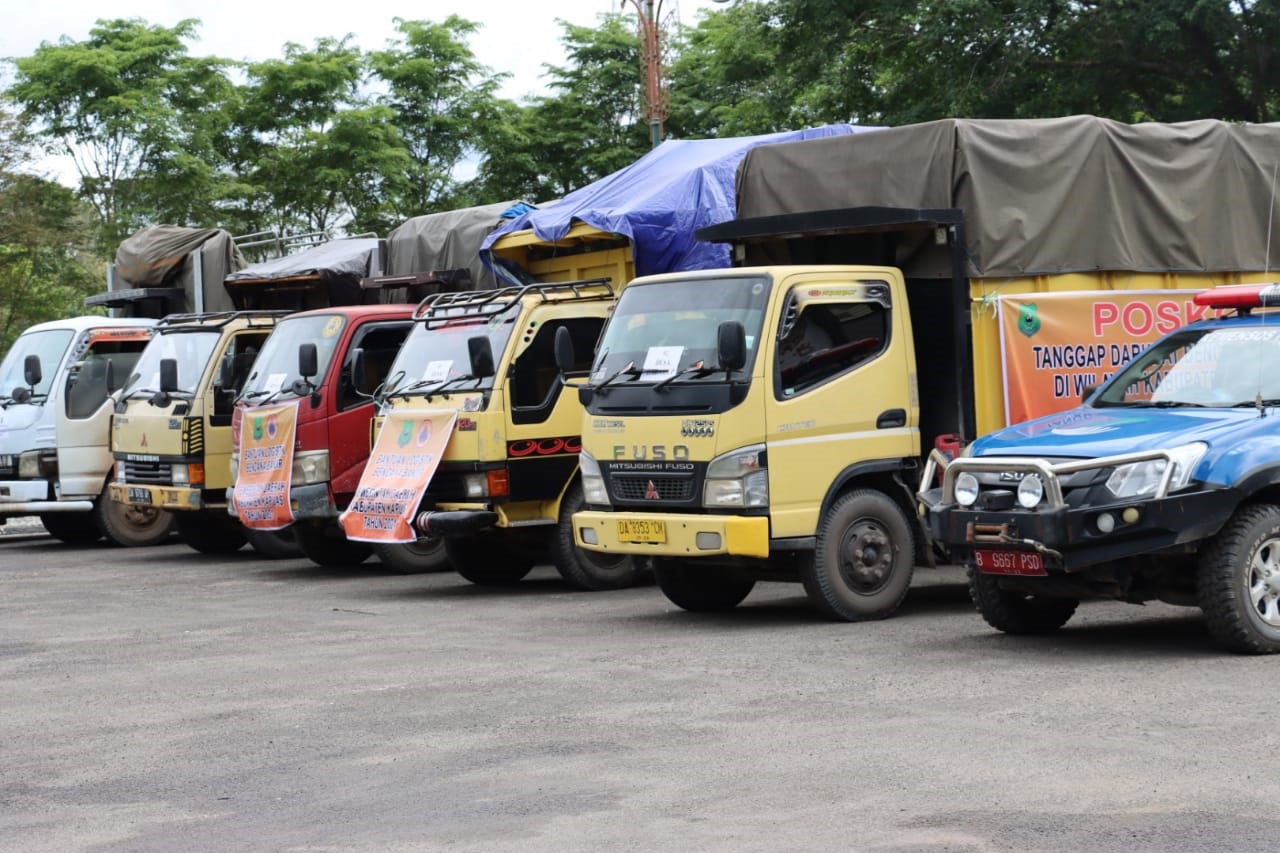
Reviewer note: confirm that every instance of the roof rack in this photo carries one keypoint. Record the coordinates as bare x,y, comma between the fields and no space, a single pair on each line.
216,319
134,296
479,304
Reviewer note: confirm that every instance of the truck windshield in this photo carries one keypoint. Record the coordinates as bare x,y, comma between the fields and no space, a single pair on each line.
276,368
438,357
48,346
190,349
1218,367
668,329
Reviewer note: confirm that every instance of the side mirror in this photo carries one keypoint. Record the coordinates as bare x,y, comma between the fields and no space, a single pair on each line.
358,367
731,345
111,376
480,353
308,360
31,370
564,350
168,375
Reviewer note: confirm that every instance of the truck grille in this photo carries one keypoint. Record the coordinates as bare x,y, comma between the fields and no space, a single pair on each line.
150,473
640,488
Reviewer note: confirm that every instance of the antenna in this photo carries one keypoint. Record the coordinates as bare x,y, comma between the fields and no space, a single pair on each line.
1266,271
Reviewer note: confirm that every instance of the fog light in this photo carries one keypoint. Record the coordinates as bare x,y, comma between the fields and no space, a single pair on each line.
966,489
1106,522
707,541
1030,491
589,535
1130,515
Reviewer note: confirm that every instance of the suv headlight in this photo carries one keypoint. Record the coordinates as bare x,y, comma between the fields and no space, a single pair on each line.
1142,478
593,490
737,479
311,466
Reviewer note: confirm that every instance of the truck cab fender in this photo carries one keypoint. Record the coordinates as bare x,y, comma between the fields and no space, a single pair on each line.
1260,484
887,476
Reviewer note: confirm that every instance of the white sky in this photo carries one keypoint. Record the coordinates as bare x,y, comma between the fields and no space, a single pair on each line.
515,36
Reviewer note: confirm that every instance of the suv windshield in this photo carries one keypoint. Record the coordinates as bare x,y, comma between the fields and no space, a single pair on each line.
667,328
276,367
191,349
1221,367
437,355
48,345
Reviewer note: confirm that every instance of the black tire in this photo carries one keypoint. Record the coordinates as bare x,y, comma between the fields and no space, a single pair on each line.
1017,612
274,544
414,558
210,532
130,525
588,570
487,560
73,528
327,546
698,588
863,559
1238,582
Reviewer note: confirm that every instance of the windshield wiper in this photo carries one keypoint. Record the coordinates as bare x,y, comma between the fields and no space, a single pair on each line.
440,385
1166,404
696,368
629,369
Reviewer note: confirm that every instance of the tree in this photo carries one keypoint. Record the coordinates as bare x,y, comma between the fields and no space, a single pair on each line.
131,109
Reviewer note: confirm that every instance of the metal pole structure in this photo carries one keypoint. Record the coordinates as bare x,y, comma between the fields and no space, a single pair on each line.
650,13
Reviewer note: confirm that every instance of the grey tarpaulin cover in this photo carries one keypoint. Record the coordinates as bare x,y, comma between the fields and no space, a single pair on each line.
354,258
1049,195
153,257
444,241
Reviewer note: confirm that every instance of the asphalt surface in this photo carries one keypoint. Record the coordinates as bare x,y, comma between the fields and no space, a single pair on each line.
159,699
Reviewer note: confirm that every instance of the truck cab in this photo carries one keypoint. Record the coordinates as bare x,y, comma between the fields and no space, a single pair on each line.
171,428
1164,484
328,362
507,482
56,384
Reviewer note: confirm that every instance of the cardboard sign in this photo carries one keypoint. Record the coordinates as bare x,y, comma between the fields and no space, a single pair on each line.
1054,345
267,436
404,458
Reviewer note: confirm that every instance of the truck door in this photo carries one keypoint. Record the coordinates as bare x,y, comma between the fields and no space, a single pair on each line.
348,439
544,432
842,393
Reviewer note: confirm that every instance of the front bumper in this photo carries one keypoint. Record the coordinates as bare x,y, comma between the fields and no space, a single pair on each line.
177,498
309,503
685,535
31,497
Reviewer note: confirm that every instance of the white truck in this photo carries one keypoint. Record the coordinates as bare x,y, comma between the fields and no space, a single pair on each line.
55,417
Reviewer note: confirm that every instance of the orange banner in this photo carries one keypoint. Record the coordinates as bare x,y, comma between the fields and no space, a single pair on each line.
404,458
267,435
1054,345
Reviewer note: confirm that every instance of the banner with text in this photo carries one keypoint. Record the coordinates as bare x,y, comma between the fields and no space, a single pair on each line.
404,458
1054,345
267,435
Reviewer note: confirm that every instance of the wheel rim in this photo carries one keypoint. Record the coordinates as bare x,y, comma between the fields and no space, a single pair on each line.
139,517
425,547
866,557
1264,582
604,562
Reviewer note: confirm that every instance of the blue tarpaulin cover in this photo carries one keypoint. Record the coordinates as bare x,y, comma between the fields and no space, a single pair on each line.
660,200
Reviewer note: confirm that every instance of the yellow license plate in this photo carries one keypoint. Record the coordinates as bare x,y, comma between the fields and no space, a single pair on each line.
642,530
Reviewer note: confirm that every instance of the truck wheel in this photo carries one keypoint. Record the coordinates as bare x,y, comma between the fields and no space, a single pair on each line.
487,560
700,589
1238,582
209,532
129,525
326,546
1017,612
73,528
589,570
274,544
414,558
863,560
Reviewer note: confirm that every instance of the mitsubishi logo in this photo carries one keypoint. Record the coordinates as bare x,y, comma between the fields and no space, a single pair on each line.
651,492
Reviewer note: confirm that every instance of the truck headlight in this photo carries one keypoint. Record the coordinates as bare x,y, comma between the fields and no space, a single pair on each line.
29,465
737,479
1142,478
310,467
475,485
179,475
593,490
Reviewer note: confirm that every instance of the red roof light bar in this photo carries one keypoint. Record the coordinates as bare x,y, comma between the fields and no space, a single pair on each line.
1240,296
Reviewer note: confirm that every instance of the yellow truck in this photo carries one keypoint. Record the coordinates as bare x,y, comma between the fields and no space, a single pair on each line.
770,421
507,482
